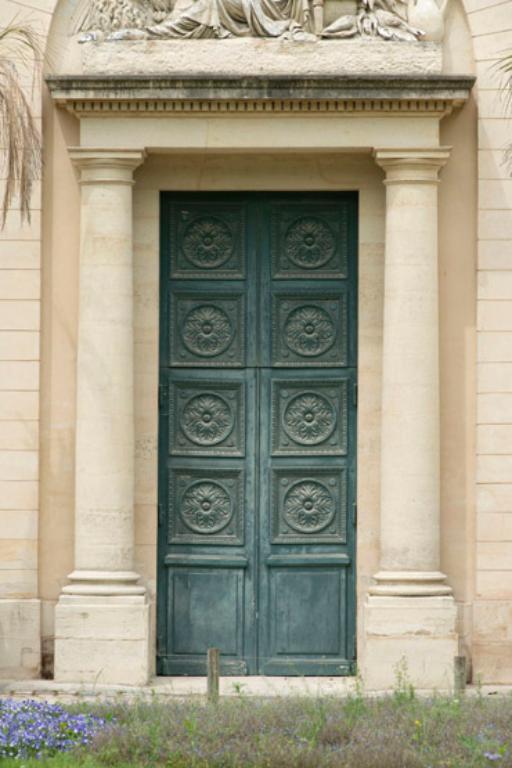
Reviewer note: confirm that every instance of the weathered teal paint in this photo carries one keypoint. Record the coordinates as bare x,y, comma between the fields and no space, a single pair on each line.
257,439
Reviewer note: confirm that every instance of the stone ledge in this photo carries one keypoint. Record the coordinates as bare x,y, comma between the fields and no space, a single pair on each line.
161,94
187,687
242,57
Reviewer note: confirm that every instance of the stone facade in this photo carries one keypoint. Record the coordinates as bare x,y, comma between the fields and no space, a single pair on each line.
78,553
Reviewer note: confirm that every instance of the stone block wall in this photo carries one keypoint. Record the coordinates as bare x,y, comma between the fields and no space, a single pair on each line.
20,279
491,25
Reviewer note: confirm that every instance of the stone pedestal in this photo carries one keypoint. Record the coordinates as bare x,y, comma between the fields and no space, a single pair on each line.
411,635
410,613
102,639
102,619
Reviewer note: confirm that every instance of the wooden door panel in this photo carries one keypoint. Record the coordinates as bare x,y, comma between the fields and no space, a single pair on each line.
309,328
309,240
320,591
207,415
208,328
207,425
307,620
257,433
309,416
309,505
307,547
207,240
207,506
206,609
206,492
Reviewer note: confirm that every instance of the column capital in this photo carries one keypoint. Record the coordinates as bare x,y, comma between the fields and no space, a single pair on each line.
106,166
412,166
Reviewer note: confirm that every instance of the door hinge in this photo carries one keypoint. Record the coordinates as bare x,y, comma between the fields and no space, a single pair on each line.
354,515
161,515
163,396
354,393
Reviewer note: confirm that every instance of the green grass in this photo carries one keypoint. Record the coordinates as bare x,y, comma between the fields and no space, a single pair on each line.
60,761
398,731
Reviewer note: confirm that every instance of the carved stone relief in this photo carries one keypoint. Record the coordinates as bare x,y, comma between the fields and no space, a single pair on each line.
301,20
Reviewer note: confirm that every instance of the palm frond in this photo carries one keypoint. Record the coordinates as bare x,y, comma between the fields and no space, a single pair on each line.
503,70
20,139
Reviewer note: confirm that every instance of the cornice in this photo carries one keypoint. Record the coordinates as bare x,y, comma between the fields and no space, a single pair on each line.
181,94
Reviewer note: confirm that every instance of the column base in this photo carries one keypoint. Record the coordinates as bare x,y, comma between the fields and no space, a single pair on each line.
104,583
414,634
410,583
20,639
102,639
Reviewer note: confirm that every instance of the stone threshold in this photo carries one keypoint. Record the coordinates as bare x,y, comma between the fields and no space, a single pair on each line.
195,687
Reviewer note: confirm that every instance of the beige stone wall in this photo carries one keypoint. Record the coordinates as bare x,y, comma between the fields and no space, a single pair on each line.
457,306
491,26
58,367
20,277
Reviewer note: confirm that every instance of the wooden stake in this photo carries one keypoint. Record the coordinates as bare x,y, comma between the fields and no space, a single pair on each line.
213,674
459,670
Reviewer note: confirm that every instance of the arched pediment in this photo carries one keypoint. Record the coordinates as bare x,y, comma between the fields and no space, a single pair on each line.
141,37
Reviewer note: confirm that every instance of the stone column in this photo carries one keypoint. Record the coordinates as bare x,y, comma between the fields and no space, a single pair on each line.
102,624
410,612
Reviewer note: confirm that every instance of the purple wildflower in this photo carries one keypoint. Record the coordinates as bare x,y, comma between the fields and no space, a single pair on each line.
31,728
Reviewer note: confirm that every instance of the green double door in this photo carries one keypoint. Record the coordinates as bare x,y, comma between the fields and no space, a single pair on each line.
257,433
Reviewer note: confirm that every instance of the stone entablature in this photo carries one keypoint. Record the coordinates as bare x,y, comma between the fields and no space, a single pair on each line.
93,94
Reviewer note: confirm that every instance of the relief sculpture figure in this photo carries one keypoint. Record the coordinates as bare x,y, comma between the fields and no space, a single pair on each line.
287,19
235,18
375,18
202,19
